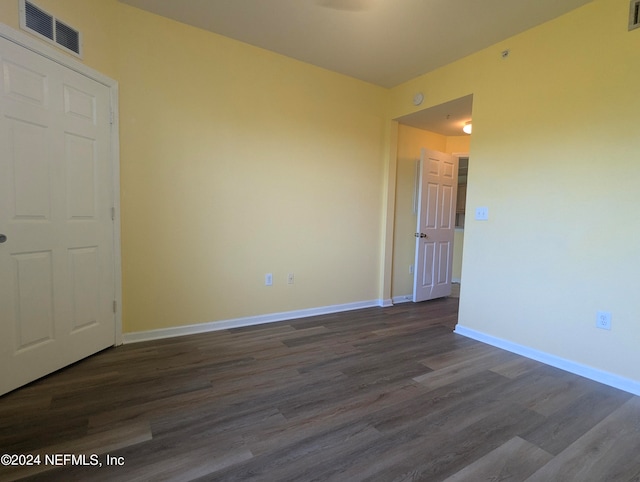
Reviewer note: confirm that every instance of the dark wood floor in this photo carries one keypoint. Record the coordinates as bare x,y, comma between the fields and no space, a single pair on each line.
382,394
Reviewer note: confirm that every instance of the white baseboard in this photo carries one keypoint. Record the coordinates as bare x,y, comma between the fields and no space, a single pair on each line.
402,299
456,280
139,336
591,373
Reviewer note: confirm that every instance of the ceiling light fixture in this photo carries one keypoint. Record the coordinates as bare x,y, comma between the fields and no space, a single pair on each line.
467,127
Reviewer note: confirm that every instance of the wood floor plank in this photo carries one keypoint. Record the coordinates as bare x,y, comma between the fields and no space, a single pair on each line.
378,394
517,367
461,370
433,453
349,411
547,390
176,461
567,425
292,462
461,354
609,451
451,405
97,443
150,409
514,461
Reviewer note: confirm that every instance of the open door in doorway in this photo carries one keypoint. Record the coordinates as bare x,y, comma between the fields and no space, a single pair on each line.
437,191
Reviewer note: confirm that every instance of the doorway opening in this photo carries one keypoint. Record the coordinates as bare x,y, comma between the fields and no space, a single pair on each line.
436,128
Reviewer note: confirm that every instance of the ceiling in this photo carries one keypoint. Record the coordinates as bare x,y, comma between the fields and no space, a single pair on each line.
383,42
446,119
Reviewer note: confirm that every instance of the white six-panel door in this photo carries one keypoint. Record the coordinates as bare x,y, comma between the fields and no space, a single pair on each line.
56,196
437,192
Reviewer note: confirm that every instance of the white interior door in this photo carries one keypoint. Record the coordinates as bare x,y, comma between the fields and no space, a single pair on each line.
437,188
57,264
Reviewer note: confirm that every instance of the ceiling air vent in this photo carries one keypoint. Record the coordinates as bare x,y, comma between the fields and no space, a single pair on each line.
634,14
49,28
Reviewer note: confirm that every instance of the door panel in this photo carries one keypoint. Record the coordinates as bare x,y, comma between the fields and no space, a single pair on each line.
29,177
81,177
442,264
426,273
85,288
23,84
446,207
431,207
57,266
33,280
435,226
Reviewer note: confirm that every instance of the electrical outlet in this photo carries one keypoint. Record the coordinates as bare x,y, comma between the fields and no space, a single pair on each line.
603,320
290,278
482,213
268,279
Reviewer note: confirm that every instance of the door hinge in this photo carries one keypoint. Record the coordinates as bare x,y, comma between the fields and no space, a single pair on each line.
115,306
111,117
113,214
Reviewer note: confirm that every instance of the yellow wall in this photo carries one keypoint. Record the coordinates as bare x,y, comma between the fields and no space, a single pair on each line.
237,162
410,141
458,144
9,13
554,158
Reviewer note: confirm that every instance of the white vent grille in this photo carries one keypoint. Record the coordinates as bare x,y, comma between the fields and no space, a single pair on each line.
38,20
67,37
634,14
49,28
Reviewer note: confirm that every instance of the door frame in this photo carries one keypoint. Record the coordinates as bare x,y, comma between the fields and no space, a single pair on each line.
461,155
30,43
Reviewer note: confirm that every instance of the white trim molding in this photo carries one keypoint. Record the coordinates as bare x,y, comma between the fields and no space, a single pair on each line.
402,299
51,53
591,373
139,336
